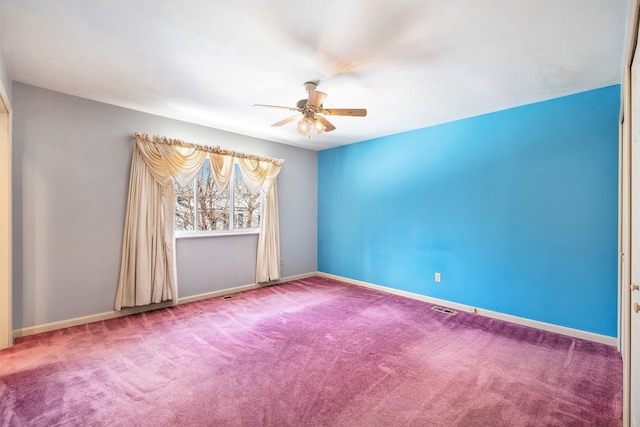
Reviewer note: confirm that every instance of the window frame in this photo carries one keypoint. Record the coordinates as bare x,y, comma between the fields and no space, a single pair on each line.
232,231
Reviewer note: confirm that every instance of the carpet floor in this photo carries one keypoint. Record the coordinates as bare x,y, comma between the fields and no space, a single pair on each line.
312,352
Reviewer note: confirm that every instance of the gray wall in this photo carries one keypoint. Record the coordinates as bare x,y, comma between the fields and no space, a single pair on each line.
71,160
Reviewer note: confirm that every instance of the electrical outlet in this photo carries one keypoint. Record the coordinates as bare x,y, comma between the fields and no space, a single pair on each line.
438,277
281,262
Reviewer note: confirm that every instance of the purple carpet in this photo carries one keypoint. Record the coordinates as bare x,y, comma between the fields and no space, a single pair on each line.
313,352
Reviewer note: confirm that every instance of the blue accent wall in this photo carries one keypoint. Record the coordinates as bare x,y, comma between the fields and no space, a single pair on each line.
517,209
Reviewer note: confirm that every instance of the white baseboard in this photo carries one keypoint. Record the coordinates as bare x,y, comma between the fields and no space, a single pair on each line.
77,321
576,333
243,288
220,293
603,339
23,332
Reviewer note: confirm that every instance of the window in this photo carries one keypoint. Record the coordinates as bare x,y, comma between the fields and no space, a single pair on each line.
201,208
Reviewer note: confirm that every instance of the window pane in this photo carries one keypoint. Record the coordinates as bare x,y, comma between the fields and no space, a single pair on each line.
184,207
201,207
246,206
213,206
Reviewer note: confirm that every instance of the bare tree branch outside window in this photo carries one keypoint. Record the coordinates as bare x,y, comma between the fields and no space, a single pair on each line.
184,207
213,206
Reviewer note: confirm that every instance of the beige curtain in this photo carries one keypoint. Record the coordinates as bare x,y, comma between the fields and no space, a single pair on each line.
148,271
222,167
268,259
261,176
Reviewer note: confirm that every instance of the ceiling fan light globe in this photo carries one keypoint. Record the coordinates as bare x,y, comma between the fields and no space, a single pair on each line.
318,127
304,125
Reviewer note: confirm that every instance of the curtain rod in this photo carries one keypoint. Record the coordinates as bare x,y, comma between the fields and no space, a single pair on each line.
216,150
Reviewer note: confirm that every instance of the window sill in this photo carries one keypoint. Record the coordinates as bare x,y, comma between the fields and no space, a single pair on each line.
197,234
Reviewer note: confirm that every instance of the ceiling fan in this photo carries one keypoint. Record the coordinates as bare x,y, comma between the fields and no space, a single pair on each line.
311,112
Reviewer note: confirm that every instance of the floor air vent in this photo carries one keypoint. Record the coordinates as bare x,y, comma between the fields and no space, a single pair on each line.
232,296
443,310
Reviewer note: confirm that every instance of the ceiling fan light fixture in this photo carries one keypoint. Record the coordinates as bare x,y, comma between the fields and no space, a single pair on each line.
313,112
307,124
304,126
318,127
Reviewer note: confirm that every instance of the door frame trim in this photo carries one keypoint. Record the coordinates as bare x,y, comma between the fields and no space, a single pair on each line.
625,247
6,277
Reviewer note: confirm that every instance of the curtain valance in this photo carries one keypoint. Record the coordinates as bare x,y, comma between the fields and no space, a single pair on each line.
205,148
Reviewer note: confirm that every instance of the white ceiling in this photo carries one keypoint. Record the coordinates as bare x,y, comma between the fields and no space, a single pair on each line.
412,64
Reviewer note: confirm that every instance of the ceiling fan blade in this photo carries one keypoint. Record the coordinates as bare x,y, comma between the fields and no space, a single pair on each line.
328,127
275,106
285,121
316,98
356,112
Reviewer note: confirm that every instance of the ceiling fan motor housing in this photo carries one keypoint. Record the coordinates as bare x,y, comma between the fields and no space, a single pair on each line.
307,109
